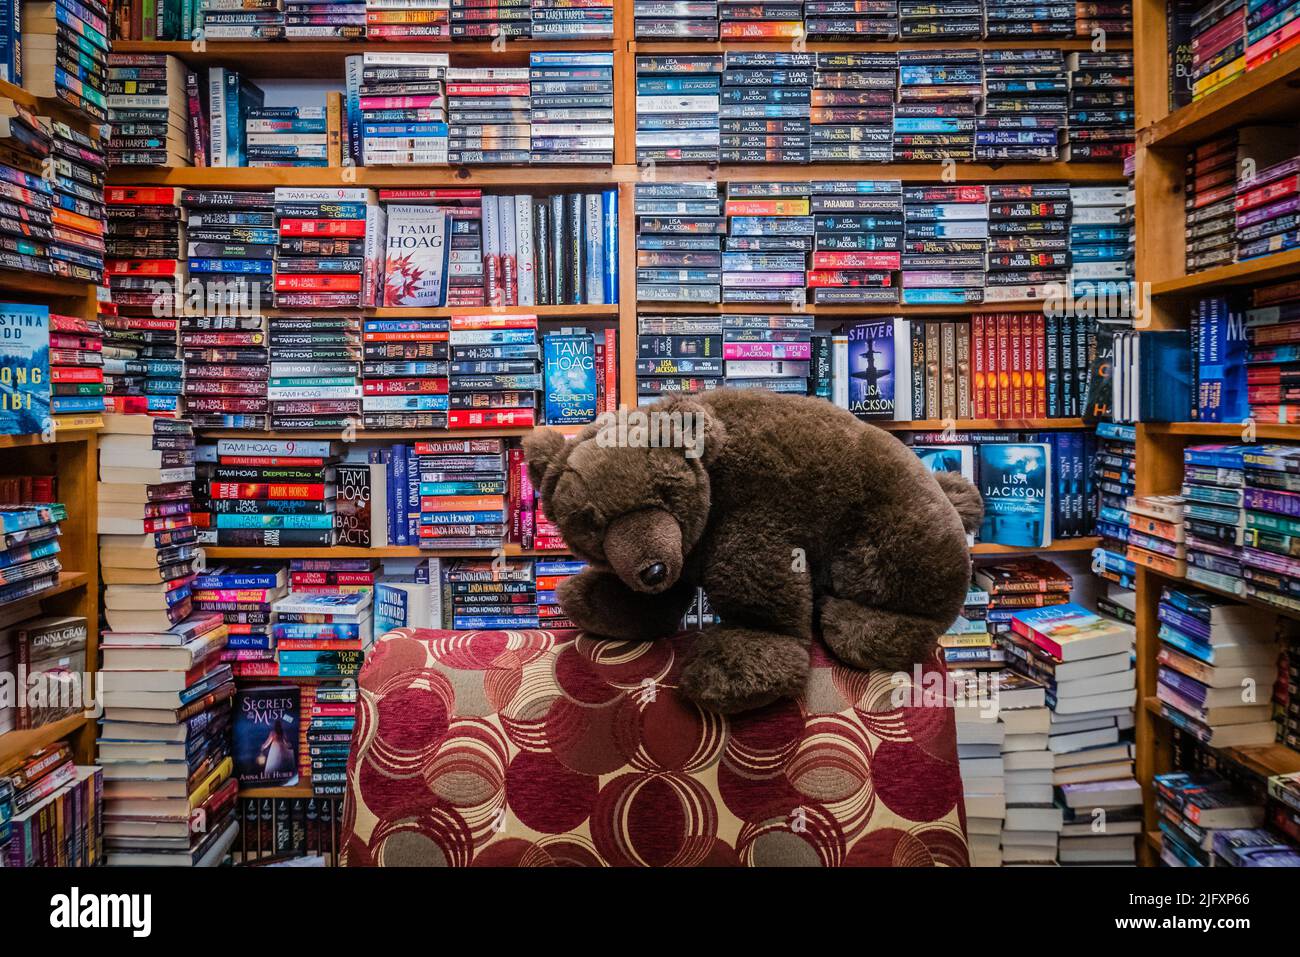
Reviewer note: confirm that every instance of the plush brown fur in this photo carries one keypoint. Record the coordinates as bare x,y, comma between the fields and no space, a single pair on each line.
796,518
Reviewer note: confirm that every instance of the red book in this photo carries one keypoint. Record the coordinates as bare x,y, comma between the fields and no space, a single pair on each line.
979,388
142,267
326,283
323,227
1040,366
76,374
140,195
1004,366
461,323
490,419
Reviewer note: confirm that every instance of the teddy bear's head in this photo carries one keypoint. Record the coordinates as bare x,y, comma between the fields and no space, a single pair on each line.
632,491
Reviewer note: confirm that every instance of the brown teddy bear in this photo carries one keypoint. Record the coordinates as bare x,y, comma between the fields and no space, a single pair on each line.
794,516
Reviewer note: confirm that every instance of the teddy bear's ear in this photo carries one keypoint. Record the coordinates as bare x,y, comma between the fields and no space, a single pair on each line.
696,429
542,449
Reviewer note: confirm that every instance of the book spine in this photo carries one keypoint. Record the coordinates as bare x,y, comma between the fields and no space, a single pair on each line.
525,250
593,237
609,213
217,115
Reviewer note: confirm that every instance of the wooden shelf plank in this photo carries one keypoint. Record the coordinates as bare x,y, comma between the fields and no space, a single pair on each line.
269,553
1265,760
1248,273
1084,544
744,309
983,425
292,791
1269,94
1224,430
38,284
549,313
17,745
56,437
386,435
324,59
594,176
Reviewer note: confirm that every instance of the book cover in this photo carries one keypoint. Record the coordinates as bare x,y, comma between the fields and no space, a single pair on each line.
24,369
265,735
1015,480
570,377
871,369
417,256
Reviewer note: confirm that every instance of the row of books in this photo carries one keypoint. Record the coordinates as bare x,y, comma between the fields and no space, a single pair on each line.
876,20
29,556
912,106
1242,194
57,365
296,832
59,50
51,812
427,21
876,242
1220,41
320,248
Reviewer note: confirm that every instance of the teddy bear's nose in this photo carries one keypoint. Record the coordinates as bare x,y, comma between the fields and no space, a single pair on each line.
652,575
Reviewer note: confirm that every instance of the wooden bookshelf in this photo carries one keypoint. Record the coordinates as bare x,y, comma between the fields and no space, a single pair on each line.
272,553
983,425
17,745
1269,94
290,791
835,312
1084,544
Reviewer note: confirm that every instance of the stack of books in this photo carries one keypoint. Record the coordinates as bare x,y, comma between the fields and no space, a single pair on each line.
767,87
968,644
672,20
1273,348
164,744
1018,584
555,20
677,104
490,115
315,382
1029,834
1085,663
659,372
242,597
1249,847
485,400
53,812
230,247
226,371
1025,102
767,352
1028,20
1157,536
679,238
304,20
329,735
76,365
481,19
491,595
852,115
146,531
79,170
148,110
67,32
397,108
834,20
1218,46
768,20
549,574
1211,202
769,227
1099,133
1098,237
937,96
461,492
1270,32
1265,210
28,144
941,214
980,734
319,653
406,395
465,276
220,21
936,21
1035,212
290,136
426,21
1116,456
1210,649
1213,483
1200,812
285,492
304,281
572,108
858,248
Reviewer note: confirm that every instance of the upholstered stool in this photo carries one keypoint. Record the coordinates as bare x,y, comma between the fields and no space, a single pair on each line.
529,748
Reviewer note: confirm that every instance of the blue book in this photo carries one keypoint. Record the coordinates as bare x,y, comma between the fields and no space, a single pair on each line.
871,369
1016,482
1221,349
264,734
569,365
1164,376
11,49
24,369
609,213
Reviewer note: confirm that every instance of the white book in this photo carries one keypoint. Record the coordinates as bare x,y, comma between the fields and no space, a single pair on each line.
903,411
525,250
505,224
217,116
594,245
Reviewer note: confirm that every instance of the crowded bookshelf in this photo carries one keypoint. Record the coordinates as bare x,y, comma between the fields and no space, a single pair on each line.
288,282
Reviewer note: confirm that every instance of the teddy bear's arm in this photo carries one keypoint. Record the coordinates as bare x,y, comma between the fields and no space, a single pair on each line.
599,603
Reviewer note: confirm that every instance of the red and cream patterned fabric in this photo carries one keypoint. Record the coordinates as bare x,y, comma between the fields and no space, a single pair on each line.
529,748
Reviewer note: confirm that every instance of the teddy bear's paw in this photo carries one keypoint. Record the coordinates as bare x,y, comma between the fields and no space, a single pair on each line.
738,669
600,604
869,638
